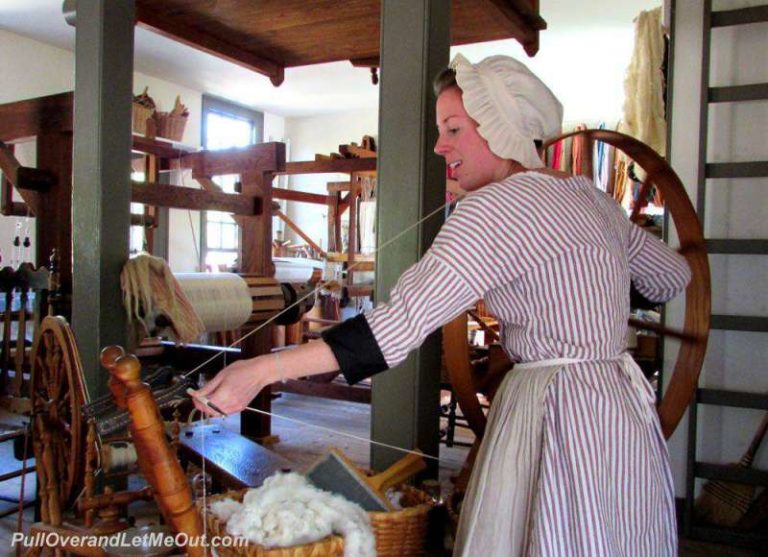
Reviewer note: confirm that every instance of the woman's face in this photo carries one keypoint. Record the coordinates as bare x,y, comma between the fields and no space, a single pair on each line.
467,156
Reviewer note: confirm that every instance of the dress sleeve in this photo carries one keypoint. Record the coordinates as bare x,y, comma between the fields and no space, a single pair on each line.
658,272
467,258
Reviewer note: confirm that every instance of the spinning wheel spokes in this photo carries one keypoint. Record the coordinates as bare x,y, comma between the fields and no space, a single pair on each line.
695,331
58,396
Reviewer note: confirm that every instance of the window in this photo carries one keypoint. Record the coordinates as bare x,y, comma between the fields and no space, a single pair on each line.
137,241
225,125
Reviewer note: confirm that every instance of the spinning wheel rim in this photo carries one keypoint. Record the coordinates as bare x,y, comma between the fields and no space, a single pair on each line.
58,399
696,323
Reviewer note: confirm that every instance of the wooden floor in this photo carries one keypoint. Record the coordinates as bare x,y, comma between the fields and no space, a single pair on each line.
304,442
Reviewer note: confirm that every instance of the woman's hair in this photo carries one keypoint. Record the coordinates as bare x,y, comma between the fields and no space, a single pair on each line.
444,80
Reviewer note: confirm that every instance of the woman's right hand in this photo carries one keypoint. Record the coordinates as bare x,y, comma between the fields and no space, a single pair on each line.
234,387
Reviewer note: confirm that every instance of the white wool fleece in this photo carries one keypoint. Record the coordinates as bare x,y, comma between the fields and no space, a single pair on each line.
288,510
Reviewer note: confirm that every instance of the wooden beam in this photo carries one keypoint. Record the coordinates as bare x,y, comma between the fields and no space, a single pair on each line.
528,11
15,209
295,227
142,220
13,172
28,118
523,22
148,17
355,151
23,177
302,196
335,187
343,257
209,185
344,203
329,166
162,149
263,157
333,391
370,62
179,197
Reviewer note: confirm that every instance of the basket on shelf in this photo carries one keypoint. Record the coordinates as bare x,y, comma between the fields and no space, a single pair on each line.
170,125
400,533
143,110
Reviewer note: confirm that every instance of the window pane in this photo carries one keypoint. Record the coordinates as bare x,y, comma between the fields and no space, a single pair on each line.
136,239
213,235
227,131
226,182
228,236
216,216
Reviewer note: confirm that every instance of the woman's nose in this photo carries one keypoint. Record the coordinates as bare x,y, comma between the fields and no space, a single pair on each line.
440,147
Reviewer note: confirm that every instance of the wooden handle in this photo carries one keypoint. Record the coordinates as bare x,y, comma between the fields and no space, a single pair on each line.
399,472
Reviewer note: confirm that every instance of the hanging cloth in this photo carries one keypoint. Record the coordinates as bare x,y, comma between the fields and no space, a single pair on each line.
644,84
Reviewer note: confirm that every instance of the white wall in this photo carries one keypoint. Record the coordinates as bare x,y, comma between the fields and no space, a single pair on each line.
585,69
734,209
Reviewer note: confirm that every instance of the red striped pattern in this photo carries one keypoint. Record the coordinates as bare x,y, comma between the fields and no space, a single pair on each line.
553,259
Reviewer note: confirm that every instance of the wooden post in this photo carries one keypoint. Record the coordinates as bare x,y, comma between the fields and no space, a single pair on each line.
411,183
54,223
101,185
256,257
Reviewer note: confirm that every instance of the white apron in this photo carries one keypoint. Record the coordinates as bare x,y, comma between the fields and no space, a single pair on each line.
496,512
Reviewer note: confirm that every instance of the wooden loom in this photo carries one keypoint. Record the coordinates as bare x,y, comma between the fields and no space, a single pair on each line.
359,162
685,374
47,194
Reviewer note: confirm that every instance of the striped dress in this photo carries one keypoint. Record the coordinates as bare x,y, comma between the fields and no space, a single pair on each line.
573,461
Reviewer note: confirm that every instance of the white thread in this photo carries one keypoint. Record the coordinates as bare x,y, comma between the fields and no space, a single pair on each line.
342,433
311,293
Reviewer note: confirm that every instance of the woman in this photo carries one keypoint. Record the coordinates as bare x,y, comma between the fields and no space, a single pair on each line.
573,461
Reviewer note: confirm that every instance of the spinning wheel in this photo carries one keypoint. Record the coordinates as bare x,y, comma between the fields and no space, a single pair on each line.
693,336
58,395
157,460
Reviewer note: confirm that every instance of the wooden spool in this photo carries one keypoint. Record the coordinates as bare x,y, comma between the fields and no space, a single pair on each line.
267,298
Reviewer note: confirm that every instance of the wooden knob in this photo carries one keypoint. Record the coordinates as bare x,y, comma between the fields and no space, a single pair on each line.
126,369
110,355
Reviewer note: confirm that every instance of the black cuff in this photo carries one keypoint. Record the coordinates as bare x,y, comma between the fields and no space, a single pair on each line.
356,349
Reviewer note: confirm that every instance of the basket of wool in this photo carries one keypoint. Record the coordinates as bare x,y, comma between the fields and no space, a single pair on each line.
288,517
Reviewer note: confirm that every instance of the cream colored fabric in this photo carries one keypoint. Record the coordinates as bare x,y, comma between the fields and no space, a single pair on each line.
510,104
644,86
149,289
222,301
496,513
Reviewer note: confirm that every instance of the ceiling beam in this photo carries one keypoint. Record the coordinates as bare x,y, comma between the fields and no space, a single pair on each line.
524,22
148,17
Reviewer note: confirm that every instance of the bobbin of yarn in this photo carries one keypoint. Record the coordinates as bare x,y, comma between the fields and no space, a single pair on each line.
118,457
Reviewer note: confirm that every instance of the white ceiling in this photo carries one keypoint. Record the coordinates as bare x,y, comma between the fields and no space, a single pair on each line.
306,90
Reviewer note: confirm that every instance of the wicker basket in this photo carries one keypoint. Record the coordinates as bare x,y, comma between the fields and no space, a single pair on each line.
453,507
403,533
141,114
398,533
170,126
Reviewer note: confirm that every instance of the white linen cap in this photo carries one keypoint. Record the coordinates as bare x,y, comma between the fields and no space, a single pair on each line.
511,106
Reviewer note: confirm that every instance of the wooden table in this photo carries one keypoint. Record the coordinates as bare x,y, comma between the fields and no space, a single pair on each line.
234,461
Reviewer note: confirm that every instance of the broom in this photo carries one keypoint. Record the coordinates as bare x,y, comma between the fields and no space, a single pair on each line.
725,503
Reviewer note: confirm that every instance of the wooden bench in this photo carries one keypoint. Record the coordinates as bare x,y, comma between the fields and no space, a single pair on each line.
233,461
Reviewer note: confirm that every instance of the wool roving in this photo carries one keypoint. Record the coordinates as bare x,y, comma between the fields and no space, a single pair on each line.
287,510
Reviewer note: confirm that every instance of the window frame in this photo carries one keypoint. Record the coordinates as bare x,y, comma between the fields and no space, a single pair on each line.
226,108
